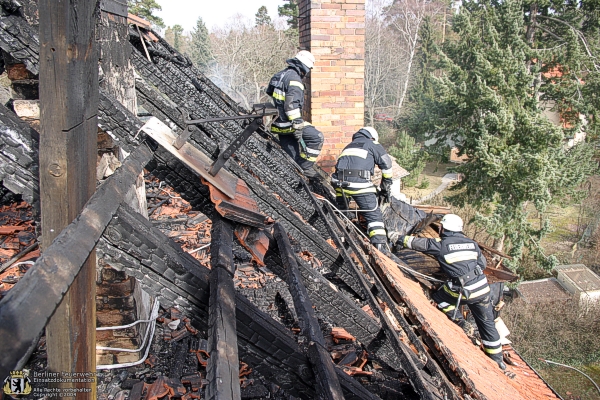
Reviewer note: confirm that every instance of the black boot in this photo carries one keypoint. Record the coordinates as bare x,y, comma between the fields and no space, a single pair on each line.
499,360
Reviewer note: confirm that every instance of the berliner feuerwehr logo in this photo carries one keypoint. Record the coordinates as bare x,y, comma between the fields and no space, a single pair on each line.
17,384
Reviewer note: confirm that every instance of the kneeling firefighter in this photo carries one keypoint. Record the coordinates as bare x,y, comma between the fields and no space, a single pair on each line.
461,259
298,138
352,179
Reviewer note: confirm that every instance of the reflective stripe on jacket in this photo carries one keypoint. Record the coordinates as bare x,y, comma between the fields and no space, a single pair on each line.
362,154
457,254
287,91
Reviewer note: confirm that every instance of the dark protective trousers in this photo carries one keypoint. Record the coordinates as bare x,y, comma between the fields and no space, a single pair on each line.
313,139
482,311
374,219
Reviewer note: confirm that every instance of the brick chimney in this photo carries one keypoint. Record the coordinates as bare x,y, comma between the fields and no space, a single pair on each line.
334,31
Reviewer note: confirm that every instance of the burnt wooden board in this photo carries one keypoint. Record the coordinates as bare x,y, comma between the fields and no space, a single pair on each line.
328,386
41,289
191,156
223,364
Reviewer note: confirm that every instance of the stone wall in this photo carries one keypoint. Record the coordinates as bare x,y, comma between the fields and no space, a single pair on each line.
334,31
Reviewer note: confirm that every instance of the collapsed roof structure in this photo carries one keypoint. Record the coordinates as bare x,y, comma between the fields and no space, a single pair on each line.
261,208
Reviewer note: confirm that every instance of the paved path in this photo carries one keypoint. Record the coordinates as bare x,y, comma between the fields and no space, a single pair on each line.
446,181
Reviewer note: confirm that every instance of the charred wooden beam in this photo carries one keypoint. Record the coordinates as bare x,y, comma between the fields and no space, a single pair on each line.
19,145
381,290
406,356
43,287
328,386
175,277
20,40
223,364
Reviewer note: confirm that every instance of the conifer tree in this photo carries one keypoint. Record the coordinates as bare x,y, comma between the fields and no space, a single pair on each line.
201,53
486,101
262,17
146,9
290,11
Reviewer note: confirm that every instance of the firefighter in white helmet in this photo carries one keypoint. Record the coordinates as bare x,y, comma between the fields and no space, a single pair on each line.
352,179
461,259
298,138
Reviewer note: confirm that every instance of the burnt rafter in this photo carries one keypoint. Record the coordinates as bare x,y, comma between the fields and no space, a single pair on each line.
43,287
406,355
328,386
223,364
176,278
18,157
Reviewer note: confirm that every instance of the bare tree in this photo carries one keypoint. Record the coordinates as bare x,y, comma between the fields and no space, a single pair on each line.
246,56
407,16
380,59
391,44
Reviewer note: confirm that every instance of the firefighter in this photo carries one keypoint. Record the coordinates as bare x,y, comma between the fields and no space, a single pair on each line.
352,179
299,139
461,259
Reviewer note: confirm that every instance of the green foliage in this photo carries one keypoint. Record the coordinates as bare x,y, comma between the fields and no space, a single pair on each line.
201,53
177,37
409,157
424,184
145,9
485,101
262,17
290,11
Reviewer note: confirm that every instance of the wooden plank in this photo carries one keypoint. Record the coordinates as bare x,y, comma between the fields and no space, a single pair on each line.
196,160
40,291
404,353
223,364
265,344
69,106
328,386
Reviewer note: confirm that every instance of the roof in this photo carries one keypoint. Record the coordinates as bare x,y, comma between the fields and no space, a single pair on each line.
397,171
481,375
580,275
543,291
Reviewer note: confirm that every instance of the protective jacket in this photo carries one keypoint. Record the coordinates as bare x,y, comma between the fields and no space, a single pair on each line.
457,254
462,260
362,154
287,91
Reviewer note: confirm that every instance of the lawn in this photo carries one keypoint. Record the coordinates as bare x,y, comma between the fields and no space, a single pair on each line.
433,172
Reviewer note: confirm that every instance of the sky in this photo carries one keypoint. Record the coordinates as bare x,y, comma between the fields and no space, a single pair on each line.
213,12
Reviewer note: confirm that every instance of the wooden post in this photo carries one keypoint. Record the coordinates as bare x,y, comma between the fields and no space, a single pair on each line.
223,365
69,107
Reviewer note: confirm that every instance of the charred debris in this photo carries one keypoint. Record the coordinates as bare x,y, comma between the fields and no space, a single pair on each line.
257,287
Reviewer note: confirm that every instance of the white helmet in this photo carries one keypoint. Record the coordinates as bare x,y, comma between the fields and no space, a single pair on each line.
306,58
452,222
373,132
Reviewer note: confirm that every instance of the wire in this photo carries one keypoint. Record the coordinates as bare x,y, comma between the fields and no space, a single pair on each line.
568,366
408,269
151,329
167,192
199,248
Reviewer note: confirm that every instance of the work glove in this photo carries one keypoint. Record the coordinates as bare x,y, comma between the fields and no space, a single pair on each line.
299,130
404,241
386,191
